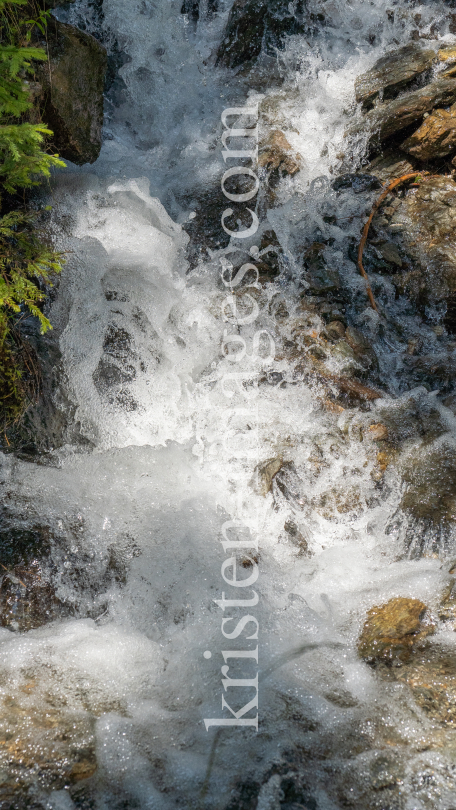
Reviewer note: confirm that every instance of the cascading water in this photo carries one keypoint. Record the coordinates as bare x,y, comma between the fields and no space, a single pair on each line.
104,706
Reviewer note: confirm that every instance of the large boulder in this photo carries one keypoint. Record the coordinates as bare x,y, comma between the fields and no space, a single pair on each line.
72,91
393,73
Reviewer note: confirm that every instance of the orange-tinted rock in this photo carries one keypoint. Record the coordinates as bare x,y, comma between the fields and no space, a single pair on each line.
393,630
378,432
436,137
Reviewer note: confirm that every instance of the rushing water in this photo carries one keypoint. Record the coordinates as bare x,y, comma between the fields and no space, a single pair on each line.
133,500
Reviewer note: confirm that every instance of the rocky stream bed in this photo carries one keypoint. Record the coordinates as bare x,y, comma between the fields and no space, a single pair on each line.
117,482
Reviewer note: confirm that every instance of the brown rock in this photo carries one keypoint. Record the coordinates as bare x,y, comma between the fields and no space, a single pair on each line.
27,599
393,73
393,630
447,54
378,432
335,330
276,154
426,222
436,137
390,117
72,100
265,474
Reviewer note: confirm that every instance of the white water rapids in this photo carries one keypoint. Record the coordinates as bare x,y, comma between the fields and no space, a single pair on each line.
140,332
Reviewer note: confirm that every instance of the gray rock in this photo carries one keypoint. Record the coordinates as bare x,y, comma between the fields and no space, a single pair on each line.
390,253
320,277
393,73
388,166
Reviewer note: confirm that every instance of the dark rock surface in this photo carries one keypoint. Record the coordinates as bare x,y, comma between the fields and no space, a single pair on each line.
72,91
254,24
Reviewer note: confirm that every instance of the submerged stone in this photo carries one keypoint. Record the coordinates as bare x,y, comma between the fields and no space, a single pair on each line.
27,598
357,182
321,278
431,676
393,630
393,72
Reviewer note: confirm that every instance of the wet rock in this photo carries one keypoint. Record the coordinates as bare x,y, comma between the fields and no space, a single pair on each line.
335,330
436,137
431,370
424,223
447,54
320,277
430,479
378,432
390,253
269,261
72,91
393,73
357,182
447,608
389,165
346,358
254,24
275,155
296,537
27,597
336,501
45,744
265,474
390,117
393,630
431,675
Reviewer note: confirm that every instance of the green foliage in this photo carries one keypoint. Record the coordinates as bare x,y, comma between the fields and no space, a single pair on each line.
26,262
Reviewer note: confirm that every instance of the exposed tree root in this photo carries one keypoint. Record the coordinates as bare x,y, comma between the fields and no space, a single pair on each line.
394,183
